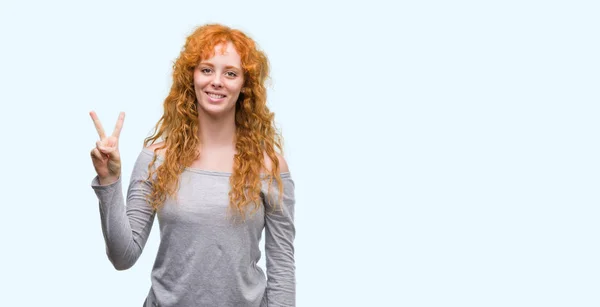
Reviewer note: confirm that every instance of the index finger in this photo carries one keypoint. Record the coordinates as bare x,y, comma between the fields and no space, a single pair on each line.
119,125
98,125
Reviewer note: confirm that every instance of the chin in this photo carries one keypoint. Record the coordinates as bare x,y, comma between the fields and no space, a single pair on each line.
215,109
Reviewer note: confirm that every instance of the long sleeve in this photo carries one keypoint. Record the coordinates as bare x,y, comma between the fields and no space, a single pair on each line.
279,247
126,228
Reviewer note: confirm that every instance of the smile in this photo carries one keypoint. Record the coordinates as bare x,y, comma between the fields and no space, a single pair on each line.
215,96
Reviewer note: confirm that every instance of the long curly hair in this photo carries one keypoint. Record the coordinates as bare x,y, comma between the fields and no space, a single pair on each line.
256,134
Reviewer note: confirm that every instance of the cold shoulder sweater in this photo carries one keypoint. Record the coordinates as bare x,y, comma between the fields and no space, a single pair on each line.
206,257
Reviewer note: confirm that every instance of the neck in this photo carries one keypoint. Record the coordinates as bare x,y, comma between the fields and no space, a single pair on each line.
216,132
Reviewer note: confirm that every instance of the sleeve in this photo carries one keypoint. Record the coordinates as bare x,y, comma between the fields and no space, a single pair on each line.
279,248
126,228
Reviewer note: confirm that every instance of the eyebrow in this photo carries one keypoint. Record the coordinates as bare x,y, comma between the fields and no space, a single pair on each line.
226,67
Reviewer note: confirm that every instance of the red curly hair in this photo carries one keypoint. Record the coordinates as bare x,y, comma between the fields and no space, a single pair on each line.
256,134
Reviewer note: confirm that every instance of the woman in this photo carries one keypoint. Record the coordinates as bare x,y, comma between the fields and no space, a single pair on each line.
210,181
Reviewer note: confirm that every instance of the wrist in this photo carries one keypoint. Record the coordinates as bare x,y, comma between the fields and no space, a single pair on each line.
108,180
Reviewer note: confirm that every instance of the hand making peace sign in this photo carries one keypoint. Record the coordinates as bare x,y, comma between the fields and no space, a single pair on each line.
105,156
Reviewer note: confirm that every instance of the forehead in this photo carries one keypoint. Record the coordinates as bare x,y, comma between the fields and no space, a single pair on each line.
225,49
225,53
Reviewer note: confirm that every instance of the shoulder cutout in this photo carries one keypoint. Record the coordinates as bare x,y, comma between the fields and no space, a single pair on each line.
154,146
283,167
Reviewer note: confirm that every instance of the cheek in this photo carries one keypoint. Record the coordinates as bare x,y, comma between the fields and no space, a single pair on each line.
236,92
195,80
237,86
199,83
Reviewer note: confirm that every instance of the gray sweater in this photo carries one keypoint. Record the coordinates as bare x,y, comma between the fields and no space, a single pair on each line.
206,257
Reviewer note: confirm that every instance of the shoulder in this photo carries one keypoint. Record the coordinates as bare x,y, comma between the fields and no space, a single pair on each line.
283,166
155,146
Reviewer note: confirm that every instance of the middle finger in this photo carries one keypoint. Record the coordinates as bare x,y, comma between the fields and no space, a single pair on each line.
119,125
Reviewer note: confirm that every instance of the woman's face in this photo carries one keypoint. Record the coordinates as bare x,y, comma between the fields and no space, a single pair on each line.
218,81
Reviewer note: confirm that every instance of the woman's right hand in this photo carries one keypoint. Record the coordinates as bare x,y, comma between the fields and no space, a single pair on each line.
105,156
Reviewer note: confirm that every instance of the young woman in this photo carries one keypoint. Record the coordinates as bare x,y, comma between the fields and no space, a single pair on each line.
214,180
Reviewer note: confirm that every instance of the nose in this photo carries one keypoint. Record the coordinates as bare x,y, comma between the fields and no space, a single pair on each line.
216,81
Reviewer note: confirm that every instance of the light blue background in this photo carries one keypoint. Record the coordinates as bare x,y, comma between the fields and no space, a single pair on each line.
444,153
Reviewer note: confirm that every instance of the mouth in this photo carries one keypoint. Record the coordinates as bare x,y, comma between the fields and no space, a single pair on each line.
215,95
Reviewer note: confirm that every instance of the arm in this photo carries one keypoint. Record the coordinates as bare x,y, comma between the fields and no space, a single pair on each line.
126,228
279,246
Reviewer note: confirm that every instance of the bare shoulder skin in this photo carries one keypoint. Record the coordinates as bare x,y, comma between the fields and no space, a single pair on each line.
156,145
283,167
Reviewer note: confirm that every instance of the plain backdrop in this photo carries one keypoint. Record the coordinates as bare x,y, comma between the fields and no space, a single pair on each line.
445,153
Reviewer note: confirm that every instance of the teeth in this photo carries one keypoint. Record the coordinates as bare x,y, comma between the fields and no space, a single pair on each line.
216,96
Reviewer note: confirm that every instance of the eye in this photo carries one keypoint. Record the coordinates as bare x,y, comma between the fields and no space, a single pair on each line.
205,70
231,74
